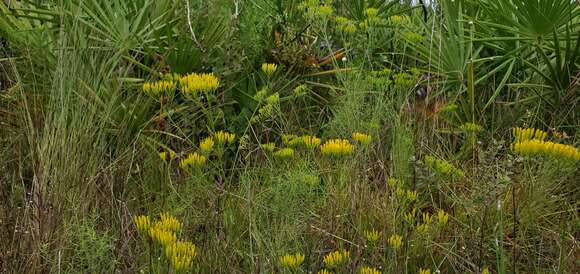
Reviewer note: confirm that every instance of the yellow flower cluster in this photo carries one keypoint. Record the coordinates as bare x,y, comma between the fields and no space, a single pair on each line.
336,258
538,147
292,260
269,147
269,69
180,254
372,235
410,216
337,147
193,160
167,155
396,241
157,88
400,19
198,82
412,195
424,271
361,138
442,217
284,153
223,137
525,134
142,222
206,146
307,141
443,167
369,270
323,271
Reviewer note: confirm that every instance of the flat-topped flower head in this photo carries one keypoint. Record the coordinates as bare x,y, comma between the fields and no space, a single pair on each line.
206,146
310,142
181,254
442,217
162,236
336,258
534,147
169,222
395,241
223,137
372,236
268,147
142,222
336,147
196,83
193,160
525,134
292,260
269,69
158,88
284,153
362,138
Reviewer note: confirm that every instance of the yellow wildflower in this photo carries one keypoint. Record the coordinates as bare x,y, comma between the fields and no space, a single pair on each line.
392,182
361,138
400,19
400,192
427,218
537,147
222,137
412,195
372,235
369,270
422,228
310,142
323,271
471,127
371,12
525,134
169,222
157,89
349,28
337,147
167,155
269,69
485,270
292,260
206,146
336,258
193,159
202,82
288,139
325,10
142,223
410,216
443,167
442,217
180,254
284,153
424,271
396,241
162,236
269,147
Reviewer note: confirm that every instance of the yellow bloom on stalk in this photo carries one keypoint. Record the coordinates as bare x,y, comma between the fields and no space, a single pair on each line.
142,222
525,134
336,258
443,167
412,195
162,236
284,153
535,147
442,217
206,146
325,10
269,147
198,82
167,155
400,19
400,192
371,12
269,69
369,270
424,271
372,235
485,270
310,142
422,228
361,138
349,28
392,182
427,218
471,127
180,254
337,147
410,216
323,271
223,137
292,260
396,241
169,222
287,139
157,88
193,160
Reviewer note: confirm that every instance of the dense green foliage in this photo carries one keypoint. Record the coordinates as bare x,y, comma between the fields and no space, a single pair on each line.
377,129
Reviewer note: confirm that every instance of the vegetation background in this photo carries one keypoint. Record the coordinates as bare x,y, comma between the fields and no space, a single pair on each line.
437,88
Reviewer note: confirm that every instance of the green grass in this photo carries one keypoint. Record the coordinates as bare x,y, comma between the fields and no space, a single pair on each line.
80,141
